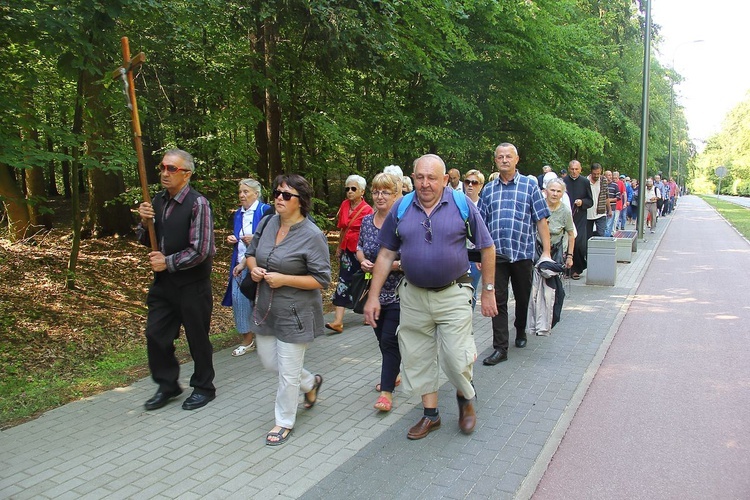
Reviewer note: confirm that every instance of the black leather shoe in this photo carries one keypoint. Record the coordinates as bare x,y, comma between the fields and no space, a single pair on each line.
495,358
520,342
161,399
196,401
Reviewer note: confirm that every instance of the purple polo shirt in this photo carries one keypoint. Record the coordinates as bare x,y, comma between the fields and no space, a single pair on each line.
432,265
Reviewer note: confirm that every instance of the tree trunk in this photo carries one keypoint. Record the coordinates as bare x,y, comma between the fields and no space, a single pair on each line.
75,199
36,192
273,112
14,203
104,218
51,177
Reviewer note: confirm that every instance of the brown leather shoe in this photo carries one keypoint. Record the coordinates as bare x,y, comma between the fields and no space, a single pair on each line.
467,417
423,427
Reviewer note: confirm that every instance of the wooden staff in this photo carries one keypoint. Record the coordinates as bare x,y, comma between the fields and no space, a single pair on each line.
125,73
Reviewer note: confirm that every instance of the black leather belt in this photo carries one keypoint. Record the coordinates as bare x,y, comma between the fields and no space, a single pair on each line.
463,279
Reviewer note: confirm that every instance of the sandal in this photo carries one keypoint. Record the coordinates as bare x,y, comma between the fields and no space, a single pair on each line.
336,328
316,387
575,276
382,404
398,383
281,436
244,349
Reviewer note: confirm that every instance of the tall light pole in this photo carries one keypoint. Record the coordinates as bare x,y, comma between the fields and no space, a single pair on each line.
671,101
644,117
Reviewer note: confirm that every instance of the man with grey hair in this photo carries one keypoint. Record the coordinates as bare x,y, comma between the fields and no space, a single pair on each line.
540,178
435,327
515,211
180,295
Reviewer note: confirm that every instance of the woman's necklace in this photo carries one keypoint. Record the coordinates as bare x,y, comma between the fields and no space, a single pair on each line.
378,219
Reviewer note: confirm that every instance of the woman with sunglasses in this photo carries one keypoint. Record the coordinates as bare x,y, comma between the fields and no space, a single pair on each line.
245,222
289,259
473,183
385,191
353,209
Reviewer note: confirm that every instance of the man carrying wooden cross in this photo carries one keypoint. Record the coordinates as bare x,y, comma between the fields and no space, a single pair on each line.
181,292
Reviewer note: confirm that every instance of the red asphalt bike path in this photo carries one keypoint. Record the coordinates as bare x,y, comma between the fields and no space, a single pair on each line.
667,415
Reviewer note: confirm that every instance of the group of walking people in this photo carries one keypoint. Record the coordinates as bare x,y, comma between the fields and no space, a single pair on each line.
414,243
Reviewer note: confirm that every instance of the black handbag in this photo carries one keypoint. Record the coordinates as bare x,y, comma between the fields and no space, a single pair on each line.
360,290
248,287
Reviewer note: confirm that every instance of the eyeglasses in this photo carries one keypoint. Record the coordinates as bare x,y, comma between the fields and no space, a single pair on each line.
427,224
172,168
284,194
350,188
375,194
473,182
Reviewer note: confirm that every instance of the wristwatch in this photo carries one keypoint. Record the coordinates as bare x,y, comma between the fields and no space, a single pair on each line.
489,287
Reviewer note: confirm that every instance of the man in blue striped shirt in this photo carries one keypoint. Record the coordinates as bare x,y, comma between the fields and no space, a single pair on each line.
514,210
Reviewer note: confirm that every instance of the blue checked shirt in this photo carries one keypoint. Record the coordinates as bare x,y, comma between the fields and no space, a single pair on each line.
511,212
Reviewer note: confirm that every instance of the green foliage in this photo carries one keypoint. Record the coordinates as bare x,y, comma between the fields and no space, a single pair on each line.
357,85
729,148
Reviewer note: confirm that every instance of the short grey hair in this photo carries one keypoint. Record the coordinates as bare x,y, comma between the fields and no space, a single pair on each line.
361,182
254,185
187,158
556,180
406,181
393,169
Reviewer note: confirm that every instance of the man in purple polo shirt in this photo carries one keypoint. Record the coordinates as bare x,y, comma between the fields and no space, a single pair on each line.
514,210
436,294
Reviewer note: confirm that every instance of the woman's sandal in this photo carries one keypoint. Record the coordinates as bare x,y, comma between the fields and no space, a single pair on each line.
281,436
382,404
241,350
336,328
316,387
398,383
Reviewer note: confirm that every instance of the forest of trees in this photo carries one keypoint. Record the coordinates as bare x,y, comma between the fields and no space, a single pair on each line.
325,88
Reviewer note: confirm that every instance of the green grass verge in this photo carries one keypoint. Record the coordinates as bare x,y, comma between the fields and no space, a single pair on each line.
25,395
737,215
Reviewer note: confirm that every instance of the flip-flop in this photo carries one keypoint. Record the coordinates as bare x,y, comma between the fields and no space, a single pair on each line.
382,404
282,438
316,387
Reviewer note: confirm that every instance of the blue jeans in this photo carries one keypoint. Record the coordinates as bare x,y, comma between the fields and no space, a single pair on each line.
610,224
476,276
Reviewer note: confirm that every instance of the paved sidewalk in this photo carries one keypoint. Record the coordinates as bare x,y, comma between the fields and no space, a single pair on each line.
667,414
107,446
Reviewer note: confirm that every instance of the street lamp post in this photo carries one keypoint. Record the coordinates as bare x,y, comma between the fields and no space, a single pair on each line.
671,102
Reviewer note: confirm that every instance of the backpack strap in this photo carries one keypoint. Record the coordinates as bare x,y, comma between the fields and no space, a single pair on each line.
458,197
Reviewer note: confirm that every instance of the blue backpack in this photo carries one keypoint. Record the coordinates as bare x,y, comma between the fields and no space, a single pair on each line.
458,197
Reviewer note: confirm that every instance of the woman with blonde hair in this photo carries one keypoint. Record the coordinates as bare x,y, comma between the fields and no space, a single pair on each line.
385,191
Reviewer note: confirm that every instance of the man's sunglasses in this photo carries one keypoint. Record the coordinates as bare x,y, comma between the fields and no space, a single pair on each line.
473,182
172,168
284,194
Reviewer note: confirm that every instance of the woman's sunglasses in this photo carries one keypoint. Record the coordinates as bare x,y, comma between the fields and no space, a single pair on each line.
473,182
350,188
284,194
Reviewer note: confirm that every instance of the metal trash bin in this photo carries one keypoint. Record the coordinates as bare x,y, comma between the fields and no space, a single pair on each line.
624,249
601,268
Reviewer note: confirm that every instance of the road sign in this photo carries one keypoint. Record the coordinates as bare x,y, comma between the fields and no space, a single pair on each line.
721,172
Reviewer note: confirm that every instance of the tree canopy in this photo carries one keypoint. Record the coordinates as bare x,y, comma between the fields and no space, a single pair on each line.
325,88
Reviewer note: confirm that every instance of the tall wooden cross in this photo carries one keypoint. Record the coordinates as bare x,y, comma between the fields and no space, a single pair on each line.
125,73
